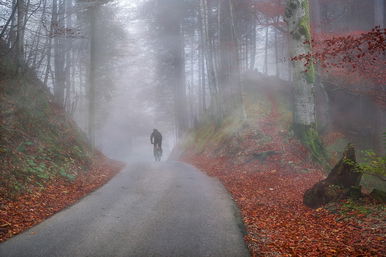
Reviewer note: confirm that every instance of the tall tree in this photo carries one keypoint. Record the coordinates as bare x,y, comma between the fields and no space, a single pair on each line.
297,16
208,49
92,73
21,13
58,14
379,12
171,60
229,69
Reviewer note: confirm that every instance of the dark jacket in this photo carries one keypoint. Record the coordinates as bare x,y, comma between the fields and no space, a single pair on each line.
156,137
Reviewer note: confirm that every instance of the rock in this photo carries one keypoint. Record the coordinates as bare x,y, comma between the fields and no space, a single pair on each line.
378,195
264,155
342,182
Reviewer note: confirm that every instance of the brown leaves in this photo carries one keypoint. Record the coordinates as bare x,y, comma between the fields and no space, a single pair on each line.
277,221
32,208
269,195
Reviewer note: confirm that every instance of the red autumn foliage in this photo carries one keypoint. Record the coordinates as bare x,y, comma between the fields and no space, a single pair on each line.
269,194
353,59
34,207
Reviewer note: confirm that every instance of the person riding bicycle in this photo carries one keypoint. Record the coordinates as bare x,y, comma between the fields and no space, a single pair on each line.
156,140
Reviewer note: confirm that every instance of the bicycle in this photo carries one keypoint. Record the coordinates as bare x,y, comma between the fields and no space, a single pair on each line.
157,151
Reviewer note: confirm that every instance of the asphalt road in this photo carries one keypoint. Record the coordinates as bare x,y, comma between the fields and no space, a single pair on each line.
149,209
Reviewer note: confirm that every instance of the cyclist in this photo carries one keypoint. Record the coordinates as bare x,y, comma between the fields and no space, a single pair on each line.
156,140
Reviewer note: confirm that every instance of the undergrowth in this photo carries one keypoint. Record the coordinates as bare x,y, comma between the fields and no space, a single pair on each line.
38,142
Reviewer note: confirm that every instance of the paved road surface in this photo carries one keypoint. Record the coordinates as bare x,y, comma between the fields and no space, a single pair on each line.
149,209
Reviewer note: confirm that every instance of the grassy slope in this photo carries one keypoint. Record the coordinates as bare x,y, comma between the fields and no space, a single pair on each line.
38,142
46,163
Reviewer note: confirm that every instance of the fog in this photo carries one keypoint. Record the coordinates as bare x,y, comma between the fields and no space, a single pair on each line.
131,115
256,101
136,107
132,112
144,96
122,68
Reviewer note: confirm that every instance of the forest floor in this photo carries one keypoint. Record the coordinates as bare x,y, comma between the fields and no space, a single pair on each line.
29,209
267,176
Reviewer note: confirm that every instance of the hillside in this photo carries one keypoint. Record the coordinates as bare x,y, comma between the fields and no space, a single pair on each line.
267,170
46,163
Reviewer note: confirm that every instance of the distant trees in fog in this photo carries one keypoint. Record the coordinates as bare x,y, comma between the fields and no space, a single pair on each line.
55,39
203,50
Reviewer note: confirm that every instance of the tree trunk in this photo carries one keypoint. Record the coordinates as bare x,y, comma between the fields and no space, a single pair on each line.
49,44
179,81
34,51
379,15
209,61
247,51
297,17
202,71
92,74
12,31
59,51
68,58
276,56
265,69
172,42
229,71
21,10
11,17
316,20
253,44
298,20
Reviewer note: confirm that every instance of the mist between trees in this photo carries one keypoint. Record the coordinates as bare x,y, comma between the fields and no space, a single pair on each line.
121,68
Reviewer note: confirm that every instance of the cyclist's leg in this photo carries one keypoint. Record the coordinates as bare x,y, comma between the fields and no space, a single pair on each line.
159,148
155,152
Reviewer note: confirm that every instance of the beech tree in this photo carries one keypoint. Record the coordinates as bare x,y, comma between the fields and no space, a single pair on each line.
297,16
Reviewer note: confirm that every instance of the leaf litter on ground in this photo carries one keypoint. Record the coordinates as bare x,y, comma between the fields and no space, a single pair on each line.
37,205
269,194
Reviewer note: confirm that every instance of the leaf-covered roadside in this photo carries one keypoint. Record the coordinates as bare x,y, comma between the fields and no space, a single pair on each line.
278,224
46,163
32,208
269,192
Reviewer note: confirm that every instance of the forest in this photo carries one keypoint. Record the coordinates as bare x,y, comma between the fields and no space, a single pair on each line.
282,101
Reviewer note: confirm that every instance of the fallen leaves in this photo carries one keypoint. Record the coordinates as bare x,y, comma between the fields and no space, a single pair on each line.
270,193
272,209
34,207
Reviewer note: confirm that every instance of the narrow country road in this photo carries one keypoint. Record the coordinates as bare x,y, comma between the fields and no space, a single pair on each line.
149,209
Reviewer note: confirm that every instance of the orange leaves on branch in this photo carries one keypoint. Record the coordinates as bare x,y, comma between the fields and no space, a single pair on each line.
356,58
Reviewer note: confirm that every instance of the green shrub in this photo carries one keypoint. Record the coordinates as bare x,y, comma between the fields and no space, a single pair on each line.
373,164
